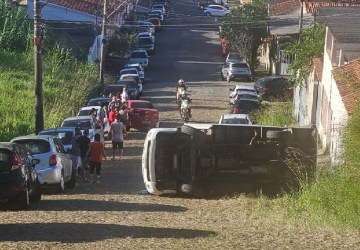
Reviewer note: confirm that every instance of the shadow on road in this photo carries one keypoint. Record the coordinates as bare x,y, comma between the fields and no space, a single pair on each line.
88,232
102,205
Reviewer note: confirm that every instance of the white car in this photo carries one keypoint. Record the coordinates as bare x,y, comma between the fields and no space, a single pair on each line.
216,10
159,7
83,122
157,12
142,23
236,71
146,35
239,89
55,167
233,57
140,56
139,68
235,119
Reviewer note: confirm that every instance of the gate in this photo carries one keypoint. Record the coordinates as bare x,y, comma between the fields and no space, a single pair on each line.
284,63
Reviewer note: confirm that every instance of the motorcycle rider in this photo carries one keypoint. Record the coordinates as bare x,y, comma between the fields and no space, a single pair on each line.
181,85
186,98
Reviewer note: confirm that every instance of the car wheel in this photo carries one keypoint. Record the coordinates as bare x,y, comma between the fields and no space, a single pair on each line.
36,195
23,201
61,185
72,181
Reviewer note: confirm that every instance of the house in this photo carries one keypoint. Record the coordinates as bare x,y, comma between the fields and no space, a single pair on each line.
77,24
283,27
321,98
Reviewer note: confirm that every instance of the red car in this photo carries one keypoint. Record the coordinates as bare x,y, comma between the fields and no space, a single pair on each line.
142,115
156,22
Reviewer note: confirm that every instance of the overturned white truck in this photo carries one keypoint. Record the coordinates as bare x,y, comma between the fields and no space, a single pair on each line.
202,158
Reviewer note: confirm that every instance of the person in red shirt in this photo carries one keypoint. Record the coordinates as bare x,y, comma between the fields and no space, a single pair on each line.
112,114
95,153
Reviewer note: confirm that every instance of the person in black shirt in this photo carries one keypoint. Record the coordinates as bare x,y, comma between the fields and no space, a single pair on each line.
83,141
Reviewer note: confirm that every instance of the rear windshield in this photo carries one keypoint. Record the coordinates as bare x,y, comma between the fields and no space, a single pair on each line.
64,136
233,56
82,124
5,155
35,146
97,102
240,65
142,105
138,55
84,112
128,71
144,41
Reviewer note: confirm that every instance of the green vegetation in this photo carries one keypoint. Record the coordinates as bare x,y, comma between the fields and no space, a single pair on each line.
67,82
275,114
243,29
311,46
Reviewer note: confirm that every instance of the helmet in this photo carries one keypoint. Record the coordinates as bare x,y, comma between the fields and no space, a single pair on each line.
181,81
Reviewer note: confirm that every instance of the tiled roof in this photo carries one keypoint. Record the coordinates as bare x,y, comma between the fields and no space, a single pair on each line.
88,6
318,67
283,7
347,79
312,7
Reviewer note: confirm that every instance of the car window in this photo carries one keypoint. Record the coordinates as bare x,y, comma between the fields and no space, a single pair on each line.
240,65
145,41
35,146
84,112
128,71
5,155
82,124
59,147
138,55
59,134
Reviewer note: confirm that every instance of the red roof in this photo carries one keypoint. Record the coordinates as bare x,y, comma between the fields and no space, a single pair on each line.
88,6
312,7
284,6
347,79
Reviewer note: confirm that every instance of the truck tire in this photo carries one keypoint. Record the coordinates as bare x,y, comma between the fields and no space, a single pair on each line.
198,136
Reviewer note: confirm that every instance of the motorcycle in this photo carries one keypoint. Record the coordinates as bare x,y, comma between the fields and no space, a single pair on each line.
184,110
180,92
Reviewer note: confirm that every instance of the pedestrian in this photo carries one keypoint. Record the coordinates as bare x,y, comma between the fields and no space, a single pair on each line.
102,115
112,114
96,153
75,150
117,132
124,95
83,141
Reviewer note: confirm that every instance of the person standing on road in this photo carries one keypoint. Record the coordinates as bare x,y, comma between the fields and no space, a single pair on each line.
117,132
75,150
124,96
96,153
83,141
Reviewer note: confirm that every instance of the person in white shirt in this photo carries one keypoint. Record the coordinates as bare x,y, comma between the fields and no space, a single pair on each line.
124,95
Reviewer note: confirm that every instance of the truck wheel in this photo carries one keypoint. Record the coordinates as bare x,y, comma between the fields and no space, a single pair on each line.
198,136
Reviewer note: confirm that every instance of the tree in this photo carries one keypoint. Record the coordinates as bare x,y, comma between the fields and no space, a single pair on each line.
122,42
311,45
243,29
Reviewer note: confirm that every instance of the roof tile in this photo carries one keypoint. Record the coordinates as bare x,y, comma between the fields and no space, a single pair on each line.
282,7
312,7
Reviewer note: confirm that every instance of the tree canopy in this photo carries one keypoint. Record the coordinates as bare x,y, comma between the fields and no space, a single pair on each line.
243,29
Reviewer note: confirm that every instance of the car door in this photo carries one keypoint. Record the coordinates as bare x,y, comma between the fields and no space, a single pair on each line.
65,160
225,69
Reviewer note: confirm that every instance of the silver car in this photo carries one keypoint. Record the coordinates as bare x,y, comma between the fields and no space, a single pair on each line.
55,166
140,56
236,71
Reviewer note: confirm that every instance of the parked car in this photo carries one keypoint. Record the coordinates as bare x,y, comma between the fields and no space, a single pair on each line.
236,71
147,24
271,87
238,89
245,105
146,35
19,182
160,7
139,68
156,22
133,84
112,88
64,134
147,44
156,13
127,71
55,166
98,100
233,57
140,56
83,122
124,55
142,115
216,10
235,119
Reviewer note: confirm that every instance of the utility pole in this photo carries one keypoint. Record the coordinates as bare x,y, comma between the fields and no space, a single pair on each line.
301,19
103,45
39,109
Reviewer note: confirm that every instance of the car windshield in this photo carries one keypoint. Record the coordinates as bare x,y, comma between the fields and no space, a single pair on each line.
239,65
138,55
97,102
142,105
64,135
235,121
35,146
128,71
233,56
144,41
82,124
